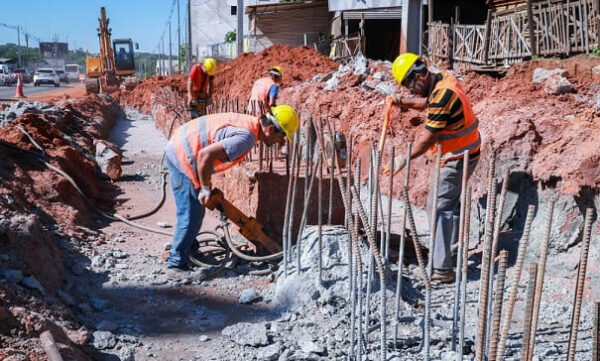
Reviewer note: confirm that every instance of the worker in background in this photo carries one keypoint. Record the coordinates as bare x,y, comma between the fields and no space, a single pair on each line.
207,145
264,91
450,123
200,87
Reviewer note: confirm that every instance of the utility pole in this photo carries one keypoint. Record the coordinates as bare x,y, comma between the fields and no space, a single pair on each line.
178,40
189,44
240,27
162,65
27,48
170,52
19,45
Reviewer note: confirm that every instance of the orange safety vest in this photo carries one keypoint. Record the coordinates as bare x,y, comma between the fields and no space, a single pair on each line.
260,94
198,133
200,84
455,142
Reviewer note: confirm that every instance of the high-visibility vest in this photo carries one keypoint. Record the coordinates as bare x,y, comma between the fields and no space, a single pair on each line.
259,95
200,84
455,142
198,133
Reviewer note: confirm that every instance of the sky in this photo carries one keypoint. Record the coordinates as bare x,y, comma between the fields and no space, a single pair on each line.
76,21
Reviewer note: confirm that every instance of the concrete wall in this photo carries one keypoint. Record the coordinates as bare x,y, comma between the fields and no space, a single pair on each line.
212,19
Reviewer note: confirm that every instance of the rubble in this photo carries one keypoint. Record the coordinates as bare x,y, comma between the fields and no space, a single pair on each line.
245,333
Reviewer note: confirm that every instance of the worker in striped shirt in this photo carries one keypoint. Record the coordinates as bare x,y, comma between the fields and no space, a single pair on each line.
451,123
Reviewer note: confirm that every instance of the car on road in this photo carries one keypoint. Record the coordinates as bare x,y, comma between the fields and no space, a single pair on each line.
73,71
46,76
25,76
62,75
5,75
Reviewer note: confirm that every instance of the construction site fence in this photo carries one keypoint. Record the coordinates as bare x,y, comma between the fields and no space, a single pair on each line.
510,35
346,47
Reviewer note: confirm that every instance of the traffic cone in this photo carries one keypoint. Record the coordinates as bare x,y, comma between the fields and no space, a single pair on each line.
19,93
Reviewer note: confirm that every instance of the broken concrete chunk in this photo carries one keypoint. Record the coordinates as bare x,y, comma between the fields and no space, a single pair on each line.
13,276
162,224
103,340
540,75
108,158
269,353
249,295
311,347
127,353
249,334
557,84
203,338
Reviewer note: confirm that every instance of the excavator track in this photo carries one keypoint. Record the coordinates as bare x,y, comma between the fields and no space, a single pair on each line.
92,86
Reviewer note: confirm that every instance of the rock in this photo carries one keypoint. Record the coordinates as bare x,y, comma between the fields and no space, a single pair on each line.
386,88
162,224
31,282
269,353
98,261
65,297
556,84
360,65
13,276
249,334
80,336
380,75
99,304
127,353
103,340
203,338
108,158
540,75
311,347
249,295
120,254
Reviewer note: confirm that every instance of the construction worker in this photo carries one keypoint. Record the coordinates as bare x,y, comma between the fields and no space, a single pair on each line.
450,123
264,91
200,87
207,145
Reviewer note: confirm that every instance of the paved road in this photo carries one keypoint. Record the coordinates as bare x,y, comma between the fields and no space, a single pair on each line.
7,92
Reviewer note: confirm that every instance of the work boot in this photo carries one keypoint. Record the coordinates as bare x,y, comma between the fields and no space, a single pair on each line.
442,276
185,274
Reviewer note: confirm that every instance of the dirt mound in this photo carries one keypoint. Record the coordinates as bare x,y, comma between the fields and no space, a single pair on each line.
141,96
235,78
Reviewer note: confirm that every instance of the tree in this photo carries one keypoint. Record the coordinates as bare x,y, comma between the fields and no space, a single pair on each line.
230,37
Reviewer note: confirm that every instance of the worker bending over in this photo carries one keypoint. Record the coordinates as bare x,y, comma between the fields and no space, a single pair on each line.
207,145
200,87
264,92
452,124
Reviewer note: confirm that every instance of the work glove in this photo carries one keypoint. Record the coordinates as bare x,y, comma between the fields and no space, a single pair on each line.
399,163
204,194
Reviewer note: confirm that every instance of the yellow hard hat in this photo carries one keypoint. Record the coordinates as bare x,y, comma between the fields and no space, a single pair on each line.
211,66
402,65
287,119
278,69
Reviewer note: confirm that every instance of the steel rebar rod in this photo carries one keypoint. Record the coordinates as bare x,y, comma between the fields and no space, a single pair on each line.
490,179
320,220
375,203
583,258
464,280
357,267
499,209
463,201
332,168
512,298
415,238
539,283
308,158
380,269
388,230
348,169
485,275
533,269
498,300
296,160
287,212
433,227
370,272
303,218
596,338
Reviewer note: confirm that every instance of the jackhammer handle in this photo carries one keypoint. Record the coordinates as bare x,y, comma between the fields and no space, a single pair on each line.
386,123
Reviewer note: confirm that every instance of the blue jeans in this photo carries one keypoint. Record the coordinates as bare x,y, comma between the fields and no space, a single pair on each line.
190,213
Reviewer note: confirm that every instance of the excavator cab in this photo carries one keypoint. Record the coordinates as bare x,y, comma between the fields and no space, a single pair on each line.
123,53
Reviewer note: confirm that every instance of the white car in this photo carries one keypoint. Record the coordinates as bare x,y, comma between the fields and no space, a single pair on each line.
46,76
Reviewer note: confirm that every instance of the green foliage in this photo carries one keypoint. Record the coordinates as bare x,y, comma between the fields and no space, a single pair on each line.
230,37
596,52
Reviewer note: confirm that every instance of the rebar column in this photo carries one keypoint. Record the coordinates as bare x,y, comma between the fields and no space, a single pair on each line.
436,181
348,173
332,159
303,218
464,280
320,221
415,238
357,267
485,276
293,201
490,179
497,310
583,258
389,213
512,298
539,283
528,310
461,225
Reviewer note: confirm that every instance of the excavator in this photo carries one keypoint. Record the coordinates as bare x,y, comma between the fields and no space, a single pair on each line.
114,62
